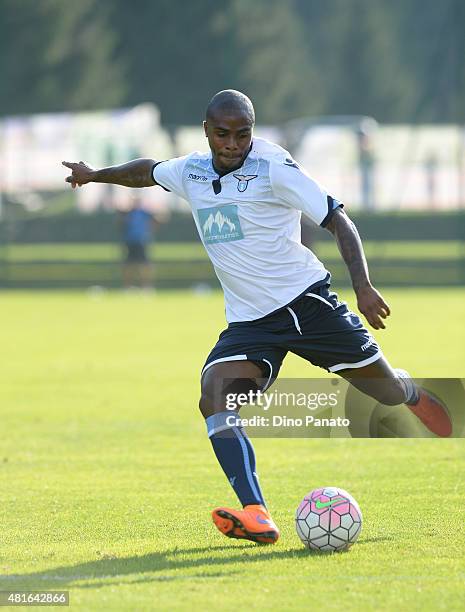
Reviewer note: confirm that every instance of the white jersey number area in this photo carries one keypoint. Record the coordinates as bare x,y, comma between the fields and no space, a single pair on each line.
249,223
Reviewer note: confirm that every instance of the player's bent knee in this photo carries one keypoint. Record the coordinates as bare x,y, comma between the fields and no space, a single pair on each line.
222,384
209,392
211,400
206,407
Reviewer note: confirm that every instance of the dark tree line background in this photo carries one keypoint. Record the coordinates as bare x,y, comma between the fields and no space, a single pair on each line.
397,60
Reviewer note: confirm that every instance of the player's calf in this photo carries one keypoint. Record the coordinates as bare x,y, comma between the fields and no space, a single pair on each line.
395,387
230,442
378,381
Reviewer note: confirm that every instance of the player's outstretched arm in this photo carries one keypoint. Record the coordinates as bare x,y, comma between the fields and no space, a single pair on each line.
136,173
369,300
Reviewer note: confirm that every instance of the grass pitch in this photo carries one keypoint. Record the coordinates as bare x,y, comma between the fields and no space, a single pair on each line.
107,476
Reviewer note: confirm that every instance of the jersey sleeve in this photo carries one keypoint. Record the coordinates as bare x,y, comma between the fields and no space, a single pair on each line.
293,186
169,175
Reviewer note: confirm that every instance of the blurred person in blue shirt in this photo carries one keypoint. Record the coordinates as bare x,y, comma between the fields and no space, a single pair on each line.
138,227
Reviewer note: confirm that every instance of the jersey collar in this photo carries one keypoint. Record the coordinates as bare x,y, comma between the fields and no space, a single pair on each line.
216,183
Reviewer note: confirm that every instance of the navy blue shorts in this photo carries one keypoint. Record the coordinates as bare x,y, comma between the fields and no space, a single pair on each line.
135,252
315,326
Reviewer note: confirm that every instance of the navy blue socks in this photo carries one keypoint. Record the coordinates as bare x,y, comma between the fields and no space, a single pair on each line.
235,455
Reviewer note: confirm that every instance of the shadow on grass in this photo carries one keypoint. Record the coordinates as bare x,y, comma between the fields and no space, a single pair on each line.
376,539
153,563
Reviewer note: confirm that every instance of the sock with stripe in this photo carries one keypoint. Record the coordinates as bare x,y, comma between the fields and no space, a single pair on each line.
411,392
236,456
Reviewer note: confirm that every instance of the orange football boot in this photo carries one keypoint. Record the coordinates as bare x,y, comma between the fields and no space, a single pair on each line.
432,413
253,523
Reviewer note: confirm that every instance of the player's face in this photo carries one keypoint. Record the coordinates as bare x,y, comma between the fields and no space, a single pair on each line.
229,137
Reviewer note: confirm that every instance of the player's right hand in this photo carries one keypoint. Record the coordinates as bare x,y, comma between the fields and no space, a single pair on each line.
81,173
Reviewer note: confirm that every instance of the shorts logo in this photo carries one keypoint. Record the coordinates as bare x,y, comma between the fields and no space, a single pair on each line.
353,319
243,180
367,344
220,224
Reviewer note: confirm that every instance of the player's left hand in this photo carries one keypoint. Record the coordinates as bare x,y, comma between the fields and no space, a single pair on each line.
372,305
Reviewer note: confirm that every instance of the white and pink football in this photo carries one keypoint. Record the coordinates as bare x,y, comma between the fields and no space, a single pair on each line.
328,519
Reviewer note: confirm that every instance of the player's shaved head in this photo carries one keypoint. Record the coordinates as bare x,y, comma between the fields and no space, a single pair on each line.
230,102
229,123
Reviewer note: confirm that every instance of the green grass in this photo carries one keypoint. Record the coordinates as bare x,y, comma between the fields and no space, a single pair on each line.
453,249
108,479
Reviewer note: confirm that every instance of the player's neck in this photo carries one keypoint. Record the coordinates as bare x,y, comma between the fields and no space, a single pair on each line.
219,172
222,173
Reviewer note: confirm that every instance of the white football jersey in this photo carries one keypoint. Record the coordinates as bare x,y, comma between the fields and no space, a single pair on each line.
249,223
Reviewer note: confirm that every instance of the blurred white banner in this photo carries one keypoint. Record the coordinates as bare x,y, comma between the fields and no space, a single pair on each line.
386,167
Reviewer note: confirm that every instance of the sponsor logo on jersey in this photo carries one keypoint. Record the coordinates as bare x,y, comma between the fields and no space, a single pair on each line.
197,177
220,224
243,180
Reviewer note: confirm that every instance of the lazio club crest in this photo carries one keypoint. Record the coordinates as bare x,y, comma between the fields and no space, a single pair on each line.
243,180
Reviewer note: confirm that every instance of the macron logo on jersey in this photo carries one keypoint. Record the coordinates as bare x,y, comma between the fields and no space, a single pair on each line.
197,177
220,224
291,163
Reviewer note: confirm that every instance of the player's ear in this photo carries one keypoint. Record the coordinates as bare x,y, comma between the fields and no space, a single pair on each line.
205,128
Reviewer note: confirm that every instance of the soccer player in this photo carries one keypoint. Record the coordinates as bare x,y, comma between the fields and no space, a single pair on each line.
247,196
